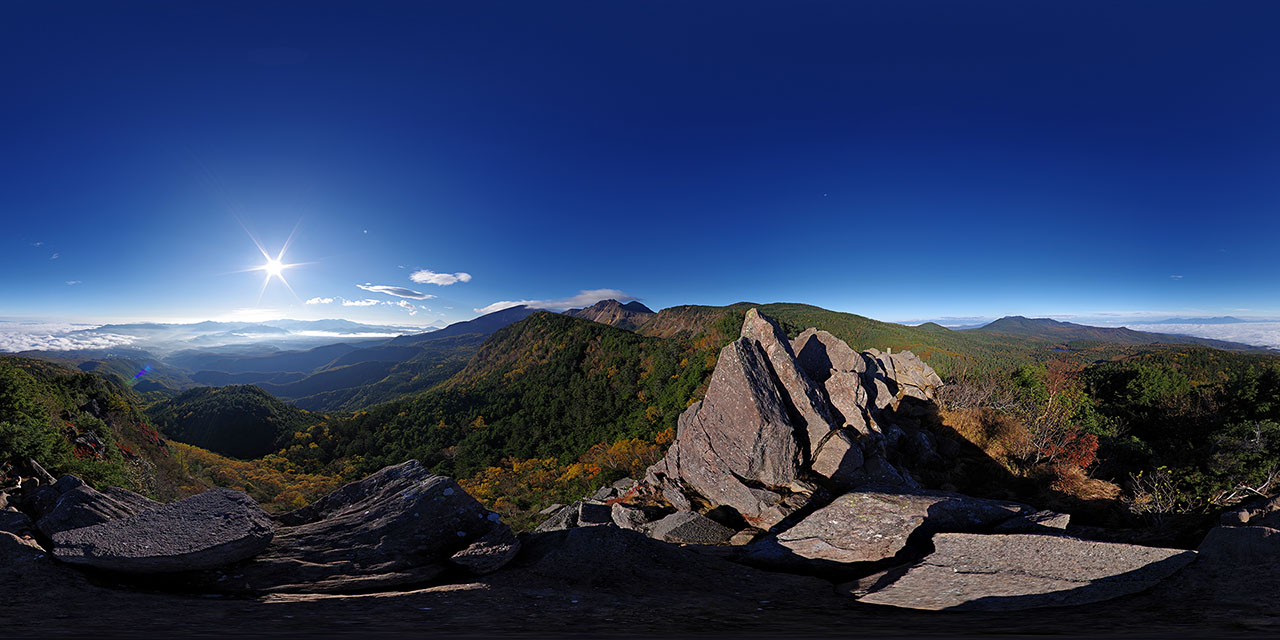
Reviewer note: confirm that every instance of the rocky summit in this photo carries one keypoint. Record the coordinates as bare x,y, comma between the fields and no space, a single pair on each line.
774,426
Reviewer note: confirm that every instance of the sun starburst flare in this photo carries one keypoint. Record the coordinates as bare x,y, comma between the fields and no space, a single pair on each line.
274,267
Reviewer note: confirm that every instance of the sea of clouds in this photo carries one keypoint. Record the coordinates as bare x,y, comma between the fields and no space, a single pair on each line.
53,336
1258,334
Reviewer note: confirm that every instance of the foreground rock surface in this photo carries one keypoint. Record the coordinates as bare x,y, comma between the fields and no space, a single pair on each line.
688,527
217,527
1026,571
870,526
72,504
401,525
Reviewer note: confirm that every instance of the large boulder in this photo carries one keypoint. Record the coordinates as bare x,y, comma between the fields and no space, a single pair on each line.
820,353
912,376
78,505
871,526
217,527
401,525
849,401
805,403
1026,571
737,447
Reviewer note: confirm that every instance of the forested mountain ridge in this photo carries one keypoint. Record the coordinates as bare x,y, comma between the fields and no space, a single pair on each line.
547,386
1050,329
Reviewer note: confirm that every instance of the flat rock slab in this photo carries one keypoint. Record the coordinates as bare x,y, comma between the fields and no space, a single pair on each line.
870,526
401,525
1026,571
217,527
79,505
689,527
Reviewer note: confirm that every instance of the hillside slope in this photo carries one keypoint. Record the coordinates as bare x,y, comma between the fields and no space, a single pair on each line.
81,423
549,386
239,421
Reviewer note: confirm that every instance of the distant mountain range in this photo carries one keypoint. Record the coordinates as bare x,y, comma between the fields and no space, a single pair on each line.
1069,331
352,366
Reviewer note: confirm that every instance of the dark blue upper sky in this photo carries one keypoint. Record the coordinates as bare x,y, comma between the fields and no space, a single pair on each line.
901,160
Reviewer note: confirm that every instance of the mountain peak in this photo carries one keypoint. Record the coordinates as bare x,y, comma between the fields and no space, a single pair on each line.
611,312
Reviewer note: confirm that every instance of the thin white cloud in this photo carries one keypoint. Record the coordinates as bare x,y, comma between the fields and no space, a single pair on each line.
1175,277
54,256
73,282
318,300
407,306
426,276
360,303
585,298
37,244
395,291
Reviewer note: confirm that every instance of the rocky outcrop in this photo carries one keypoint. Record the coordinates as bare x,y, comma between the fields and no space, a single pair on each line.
737,447
806,406
217,527
401,525
1026,571
781,418
871,526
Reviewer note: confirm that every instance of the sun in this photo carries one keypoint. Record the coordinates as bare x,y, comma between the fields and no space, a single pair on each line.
274,267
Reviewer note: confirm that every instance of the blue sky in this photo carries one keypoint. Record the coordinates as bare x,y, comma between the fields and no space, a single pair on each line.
903,160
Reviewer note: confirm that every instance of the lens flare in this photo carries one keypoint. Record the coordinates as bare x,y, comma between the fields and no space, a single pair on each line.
273,267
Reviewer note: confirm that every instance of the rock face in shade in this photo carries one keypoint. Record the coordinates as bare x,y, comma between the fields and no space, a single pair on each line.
839,458
737,447
849,401
401,525
217,527
870,526
489,553
1026,571
79,505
